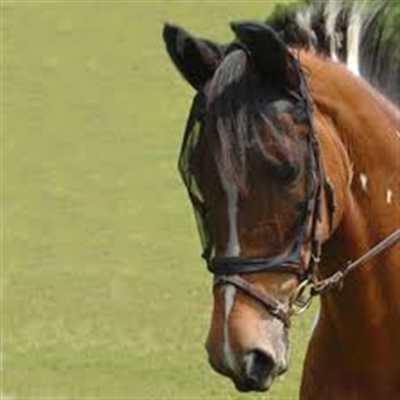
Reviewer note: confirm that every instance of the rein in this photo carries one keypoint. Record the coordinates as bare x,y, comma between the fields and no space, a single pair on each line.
336,280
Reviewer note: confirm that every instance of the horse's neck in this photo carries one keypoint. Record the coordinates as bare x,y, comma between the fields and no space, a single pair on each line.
361,143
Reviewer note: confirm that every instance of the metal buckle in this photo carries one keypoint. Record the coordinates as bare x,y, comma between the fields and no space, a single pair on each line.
302,298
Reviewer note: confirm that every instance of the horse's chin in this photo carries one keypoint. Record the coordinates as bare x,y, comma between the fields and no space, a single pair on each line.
245,389
264,386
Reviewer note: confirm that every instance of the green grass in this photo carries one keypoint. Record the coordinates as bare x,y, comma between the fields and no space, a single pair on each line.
104,294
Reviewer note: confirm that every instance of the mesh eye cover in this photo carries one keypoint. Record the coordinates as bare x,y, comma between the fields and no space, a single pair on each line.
307,221
190,142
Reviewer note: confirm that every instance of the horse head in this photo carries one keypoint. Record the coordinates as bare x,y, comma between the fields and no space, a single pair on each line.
251,163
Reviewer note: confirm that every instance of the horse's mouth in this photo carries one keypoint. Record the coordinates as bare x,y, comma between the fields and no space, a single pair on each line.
263,384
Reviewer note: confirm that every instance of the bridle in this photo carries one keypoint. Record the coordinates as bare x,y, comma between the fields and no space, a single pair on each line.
230,270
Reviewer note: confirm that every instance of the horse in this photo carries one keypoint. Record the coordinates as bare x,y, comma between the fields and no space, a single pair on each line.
291,159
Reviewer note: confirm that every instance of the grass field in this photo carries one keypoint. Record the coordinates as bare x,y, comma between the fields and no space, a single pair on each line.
104,294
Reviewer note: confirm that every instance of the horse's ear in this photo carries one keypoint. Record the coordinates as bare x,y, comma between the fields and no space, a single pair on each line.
270,54
196,59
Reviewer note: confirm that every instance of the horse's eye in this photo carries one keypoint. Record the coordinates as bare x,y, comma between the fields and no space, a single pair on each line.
288,172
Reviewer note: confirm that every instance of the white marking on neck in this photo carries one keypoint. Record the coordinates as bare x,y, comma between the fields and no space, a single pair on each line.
353,40
232,248
364,182
332,9
389,196
303,19
229,292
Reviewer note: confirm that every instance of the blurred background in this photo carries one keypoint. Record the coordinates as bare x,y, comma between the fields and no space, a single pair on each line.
104,292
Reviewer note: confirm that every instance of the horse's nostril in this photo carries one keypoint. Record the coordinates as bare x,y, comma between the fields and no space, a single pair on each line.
259,366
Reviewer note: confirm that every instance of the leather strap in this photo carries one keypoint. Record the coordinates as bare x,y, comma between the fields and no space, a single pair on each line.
275,308
237,265
336,280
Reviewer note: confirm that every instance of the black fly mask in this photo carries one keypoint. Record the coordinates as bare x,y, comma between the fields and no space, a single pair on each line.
226,269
